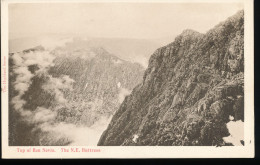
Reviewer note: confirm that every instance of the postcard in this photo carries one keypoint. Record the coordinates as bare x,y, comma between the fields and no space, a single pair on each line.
127,79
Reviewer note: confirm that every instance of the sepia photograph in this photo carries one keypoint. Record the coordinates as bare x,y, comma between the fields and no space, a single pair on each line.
121,76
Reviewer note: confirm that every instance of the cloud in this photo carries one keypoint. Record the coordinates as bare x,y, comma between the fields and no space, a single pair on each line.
123,92
23,79
236,130
77,135
56,86
22,61
73,52
50,43
43,115
44,119
140,59
43,60
18,102
17,59
21,87
66,80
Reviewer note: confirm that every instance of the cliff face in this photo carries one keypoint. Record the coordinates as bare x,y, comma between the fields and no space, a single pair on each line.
64,88
100,79
190,90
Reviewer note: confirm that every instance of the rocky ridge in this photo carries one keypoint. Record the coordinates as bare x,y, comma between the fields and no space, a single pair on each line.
189,91
65,85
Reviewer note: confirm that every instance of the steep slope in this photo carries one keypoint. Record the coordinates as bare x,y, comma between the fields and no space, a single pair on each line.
53,92
192,88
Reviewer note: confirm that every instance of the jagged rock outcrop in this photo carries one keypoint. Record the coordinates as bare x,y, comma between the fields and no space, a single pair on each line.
189,90
65,85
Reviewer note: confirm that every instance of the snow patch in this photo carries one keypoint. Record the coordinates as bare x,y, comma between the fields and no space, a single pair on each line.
236,130
231,118
86,86
118,84
135,138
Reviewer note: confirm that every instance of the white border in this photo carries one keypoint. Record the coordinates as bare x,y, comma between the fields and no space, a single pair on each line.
246,151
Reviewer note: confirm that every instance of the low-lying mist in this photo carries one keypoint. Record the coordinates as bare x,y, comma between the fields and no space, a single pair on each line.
56,121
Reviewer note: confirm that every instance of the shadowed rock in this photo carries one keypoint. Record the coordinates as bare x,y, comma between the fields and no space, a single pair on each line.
189,90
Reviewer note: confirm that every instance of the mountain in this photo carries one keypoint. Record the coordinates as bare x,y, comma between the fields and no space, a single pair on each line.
135,50
66,95
192,91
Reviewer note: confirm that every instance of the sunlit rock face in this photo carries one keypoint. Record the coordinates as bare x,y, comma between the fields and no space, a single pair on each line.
66,95
189,91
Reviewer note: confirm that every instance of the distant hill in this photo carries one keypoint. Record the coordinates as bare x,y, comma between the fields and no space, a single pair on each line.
134,50
59,92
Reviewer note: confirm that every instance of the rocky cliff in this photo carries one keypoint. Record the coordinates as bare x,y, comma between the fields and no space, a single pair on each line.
191,89
55,92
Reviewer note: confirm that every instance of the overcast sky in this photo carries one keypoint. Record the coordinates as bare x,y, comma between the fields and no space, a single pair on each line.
124,20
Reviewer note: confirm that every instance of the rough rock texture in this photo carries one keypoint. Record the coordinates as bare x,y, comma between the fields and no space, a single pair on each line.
96,77
189,90
98,80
